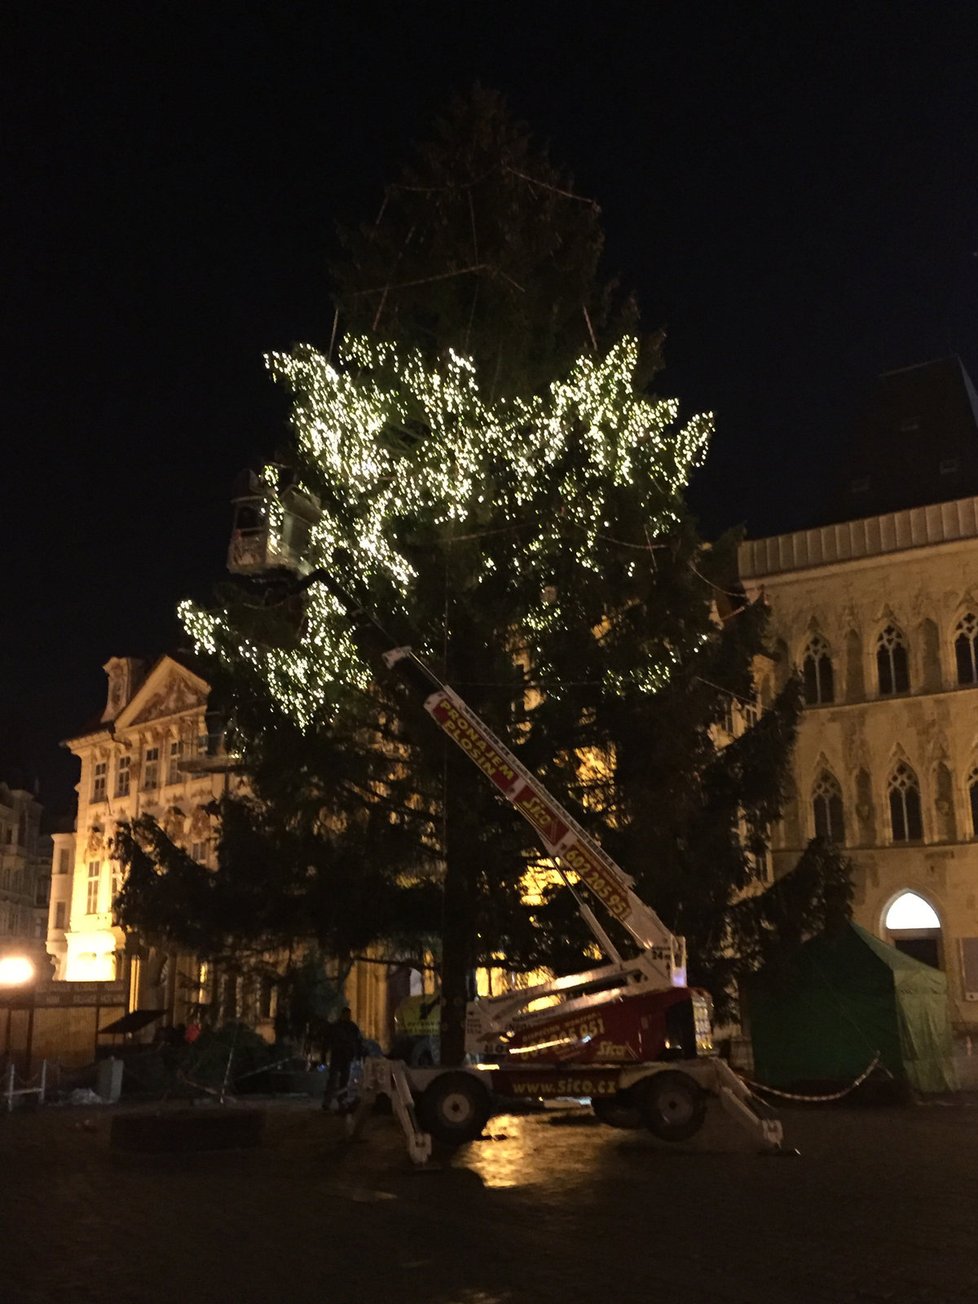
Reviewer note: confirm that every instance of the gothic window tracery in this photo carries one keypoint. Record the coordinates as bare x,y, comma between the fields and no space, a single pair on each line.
817,672
827,808
973,798
966,648
904,794
892,666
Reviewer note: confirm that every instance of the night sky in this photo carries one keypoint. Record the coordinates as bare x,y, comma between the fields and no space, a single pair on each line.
791,194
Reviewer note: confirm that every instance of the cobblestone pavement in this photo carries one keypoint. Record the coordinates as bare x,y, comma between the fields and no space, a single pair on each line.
882,1205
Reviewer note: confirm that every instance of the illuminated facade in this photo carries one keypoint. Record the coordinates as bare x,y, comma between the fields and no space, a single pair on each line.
143,756
876,607
880,617
133,761
24,864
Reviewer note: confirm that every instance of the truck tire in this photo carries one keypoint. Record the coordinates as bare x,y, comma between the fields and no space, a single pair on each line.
454,1108
672,1105
617,1111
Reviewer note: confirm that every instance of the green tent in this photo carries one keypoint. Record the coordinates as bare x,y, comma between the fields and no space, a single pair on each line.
845,998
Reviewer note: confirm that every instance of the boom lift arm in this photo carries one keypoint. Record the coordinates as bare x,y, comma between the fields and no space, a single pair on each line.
576,1006
572,848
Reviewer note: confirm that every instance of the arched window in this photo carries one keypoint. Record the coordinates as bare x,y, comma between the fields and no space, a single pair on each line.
911,911
913,926
817,672
827,808
904,793
891,662
973,798
966,649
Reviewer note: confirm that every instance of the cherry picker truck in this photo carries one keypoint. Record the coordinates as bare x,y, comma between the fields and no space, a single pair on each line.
628,1034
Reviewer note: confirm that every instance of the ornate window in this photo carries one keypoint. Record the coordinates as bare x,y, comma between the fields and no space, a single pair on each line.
173,774
151,768
122,775
891,662
94,882
100,780
904,793
749,711
827,808
973,798
966,649
817,672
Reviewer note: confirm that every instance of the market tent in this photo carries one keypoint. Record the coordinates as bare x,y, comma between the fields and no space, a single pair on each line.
845,998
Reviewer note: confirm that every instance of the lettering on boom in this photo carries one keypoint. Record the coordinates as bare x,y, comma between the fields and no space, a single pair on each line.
602,881
472,741
544,818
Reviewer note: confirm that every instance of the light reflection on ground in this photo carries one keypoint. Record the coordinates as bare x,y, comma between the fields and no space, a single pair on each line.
517,1151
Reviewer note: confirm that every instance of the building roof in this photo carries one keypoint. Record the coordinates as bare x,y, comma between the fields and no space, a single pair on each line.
870,536
914,443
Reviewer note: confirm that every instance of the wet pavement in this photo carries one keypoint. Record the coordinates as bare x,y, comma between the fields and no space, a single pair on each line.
881,1205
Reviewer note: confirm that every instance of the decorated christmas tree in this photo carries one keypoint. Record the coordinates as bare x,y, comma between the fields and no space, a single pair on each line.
499,490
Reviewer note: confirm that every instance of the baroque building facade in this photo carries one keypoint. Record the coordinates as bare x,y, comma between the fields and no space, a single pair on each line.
880,617
24,869
147,754
133,761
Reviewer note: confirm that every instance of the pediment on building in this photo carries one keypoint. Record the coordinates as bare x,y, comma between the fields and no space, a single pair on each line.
170,689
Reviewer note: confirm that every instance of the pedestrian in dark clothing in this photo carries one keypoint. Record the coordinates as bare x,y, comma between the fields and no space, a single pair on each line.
345,1044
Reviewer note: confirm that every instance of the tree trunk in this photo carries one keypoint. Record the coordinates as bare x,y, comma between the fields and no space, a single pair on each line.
461,913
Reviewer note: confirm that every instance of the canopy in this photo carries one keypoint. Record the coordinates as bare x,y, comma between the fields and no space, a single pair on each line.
845,998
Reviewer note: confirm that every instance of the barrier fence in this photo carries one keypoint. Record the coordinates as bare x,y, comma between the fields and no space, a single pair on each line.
35,1086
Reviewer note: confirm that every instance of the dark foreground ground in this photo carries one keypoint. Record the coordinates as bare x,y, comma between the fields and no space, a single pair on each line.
882,1205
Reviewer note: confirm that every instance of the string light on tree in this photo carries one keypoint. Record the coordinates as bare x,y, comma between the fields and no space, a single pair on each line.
392,446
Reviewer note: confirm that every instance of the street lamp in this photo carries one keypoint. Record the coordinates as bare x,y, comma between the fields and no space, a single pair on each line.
15,970
17,973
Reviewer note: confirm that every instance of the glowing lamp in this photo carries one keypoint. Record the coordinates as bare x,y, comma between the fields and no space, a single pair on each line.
15,970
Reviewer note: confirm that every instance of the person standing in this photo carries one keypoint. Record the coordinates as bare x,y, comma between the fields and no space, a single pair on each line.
345,1043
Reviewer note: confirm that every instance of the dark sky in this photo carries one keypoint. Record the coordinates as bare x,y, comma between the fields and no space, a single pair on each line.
793,194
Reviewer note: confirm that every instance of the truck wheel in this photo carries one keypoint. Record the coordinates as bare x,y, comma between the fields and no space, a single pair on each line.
454,1108
616,1111
672,1105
